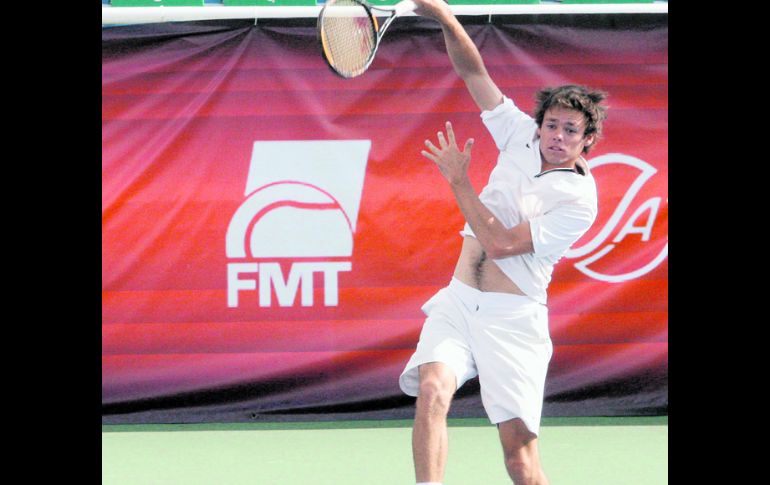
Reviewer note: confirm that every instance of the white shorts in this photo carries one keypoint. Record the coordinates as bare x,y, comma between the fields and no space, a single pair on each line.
501,337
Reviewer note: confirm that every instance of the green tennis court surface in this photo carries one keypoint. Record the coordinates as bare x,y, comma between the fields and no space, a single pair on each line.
575,451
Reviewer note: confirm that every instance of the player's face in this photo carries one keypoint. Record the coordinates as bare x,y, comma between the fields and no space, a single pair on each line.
562,136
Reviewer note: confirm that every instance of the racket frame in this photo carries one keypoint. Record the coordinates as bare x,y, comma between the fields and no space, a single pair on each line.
394,11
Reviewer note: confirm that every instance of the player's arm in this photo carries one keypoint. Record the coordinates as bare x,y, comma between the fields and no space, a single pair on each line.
463,53
496,239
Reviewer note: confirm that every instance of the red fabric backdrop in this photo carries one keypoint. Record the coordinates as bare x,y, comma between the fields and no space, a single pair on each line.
188,110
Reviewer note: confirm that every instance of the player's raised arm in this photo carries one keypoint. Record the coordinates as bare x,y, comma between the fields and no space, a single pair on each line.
463,53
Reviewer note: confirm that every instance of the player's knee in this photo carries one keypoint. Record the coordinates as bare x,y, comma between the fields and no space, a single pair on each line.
524,467
435,396
521,470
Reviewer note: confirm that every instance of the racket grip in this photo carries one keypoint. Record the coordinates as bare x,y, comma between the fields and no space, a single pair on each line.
404,6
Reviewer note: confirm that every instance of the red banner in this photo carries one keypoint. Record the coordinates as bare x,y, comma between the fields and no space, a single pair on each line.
270,231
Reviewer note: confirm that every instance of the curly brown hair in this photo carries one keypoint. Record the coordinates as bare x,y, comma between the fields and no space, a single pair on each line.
576,97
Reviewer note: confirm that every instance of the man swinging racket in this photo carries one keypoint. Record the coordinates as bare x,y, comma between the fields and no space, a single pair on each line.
492,320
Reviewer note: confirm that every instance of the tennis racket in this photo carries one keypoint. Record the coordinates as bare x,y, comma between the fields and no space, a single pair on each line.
348,33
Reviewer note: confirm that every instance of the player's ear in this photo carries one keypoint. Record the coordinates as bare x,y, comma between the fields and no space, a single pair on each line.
589,140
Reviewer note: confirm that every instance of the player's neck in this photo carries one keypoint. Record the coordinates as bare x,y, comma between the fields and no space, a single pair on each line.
545,165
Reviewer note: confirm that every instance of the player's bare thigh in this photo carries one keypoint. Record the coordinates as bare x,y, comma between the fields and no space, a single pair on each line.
476,270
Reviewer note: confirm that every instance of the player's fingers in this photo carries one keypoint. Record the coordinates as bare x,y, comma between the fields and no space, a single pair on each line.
450,133
442,140
429,156
468,146
432,147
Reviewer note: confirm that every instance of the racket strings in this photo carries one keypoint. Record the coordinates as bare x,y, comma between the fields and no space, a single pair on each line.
349,37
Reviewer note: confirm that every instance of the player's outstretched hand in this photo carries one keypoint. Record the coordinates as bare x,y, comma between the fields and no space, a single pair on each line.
452,162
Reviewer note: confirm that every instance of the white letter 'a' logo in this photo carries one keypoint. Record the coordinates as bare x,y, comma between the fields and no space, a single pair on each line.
645,172
302,200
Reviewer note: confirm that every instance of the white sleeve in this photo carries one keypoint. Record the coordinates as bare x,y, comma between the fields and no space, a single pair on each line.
556,230
507,123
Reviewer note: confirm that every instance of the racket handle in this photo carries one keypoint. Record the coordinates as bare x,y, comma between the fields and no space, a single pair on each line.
404,6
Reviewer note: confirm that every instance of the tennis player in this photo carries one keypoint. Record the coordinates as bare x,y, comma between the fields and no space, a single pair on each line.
492,320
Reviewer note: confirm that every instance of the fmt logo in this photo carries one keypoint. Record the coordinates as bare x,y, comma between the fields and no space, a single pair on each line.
300,211
642,252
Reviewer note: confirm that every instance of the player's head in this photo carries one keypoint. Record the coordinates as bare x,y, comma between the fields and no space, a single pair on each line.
578,98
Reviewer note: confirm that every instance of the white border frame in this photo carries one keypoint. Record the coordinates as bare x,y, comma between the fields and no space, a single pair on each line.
138,15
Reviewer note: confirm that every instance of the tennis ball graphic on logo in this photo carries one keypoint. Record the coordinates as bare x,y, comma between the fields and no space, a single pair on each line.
289,219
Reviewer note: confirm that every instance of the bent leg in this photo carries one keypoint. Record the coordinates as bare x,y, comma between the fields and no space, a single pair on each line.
429,435
522,459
